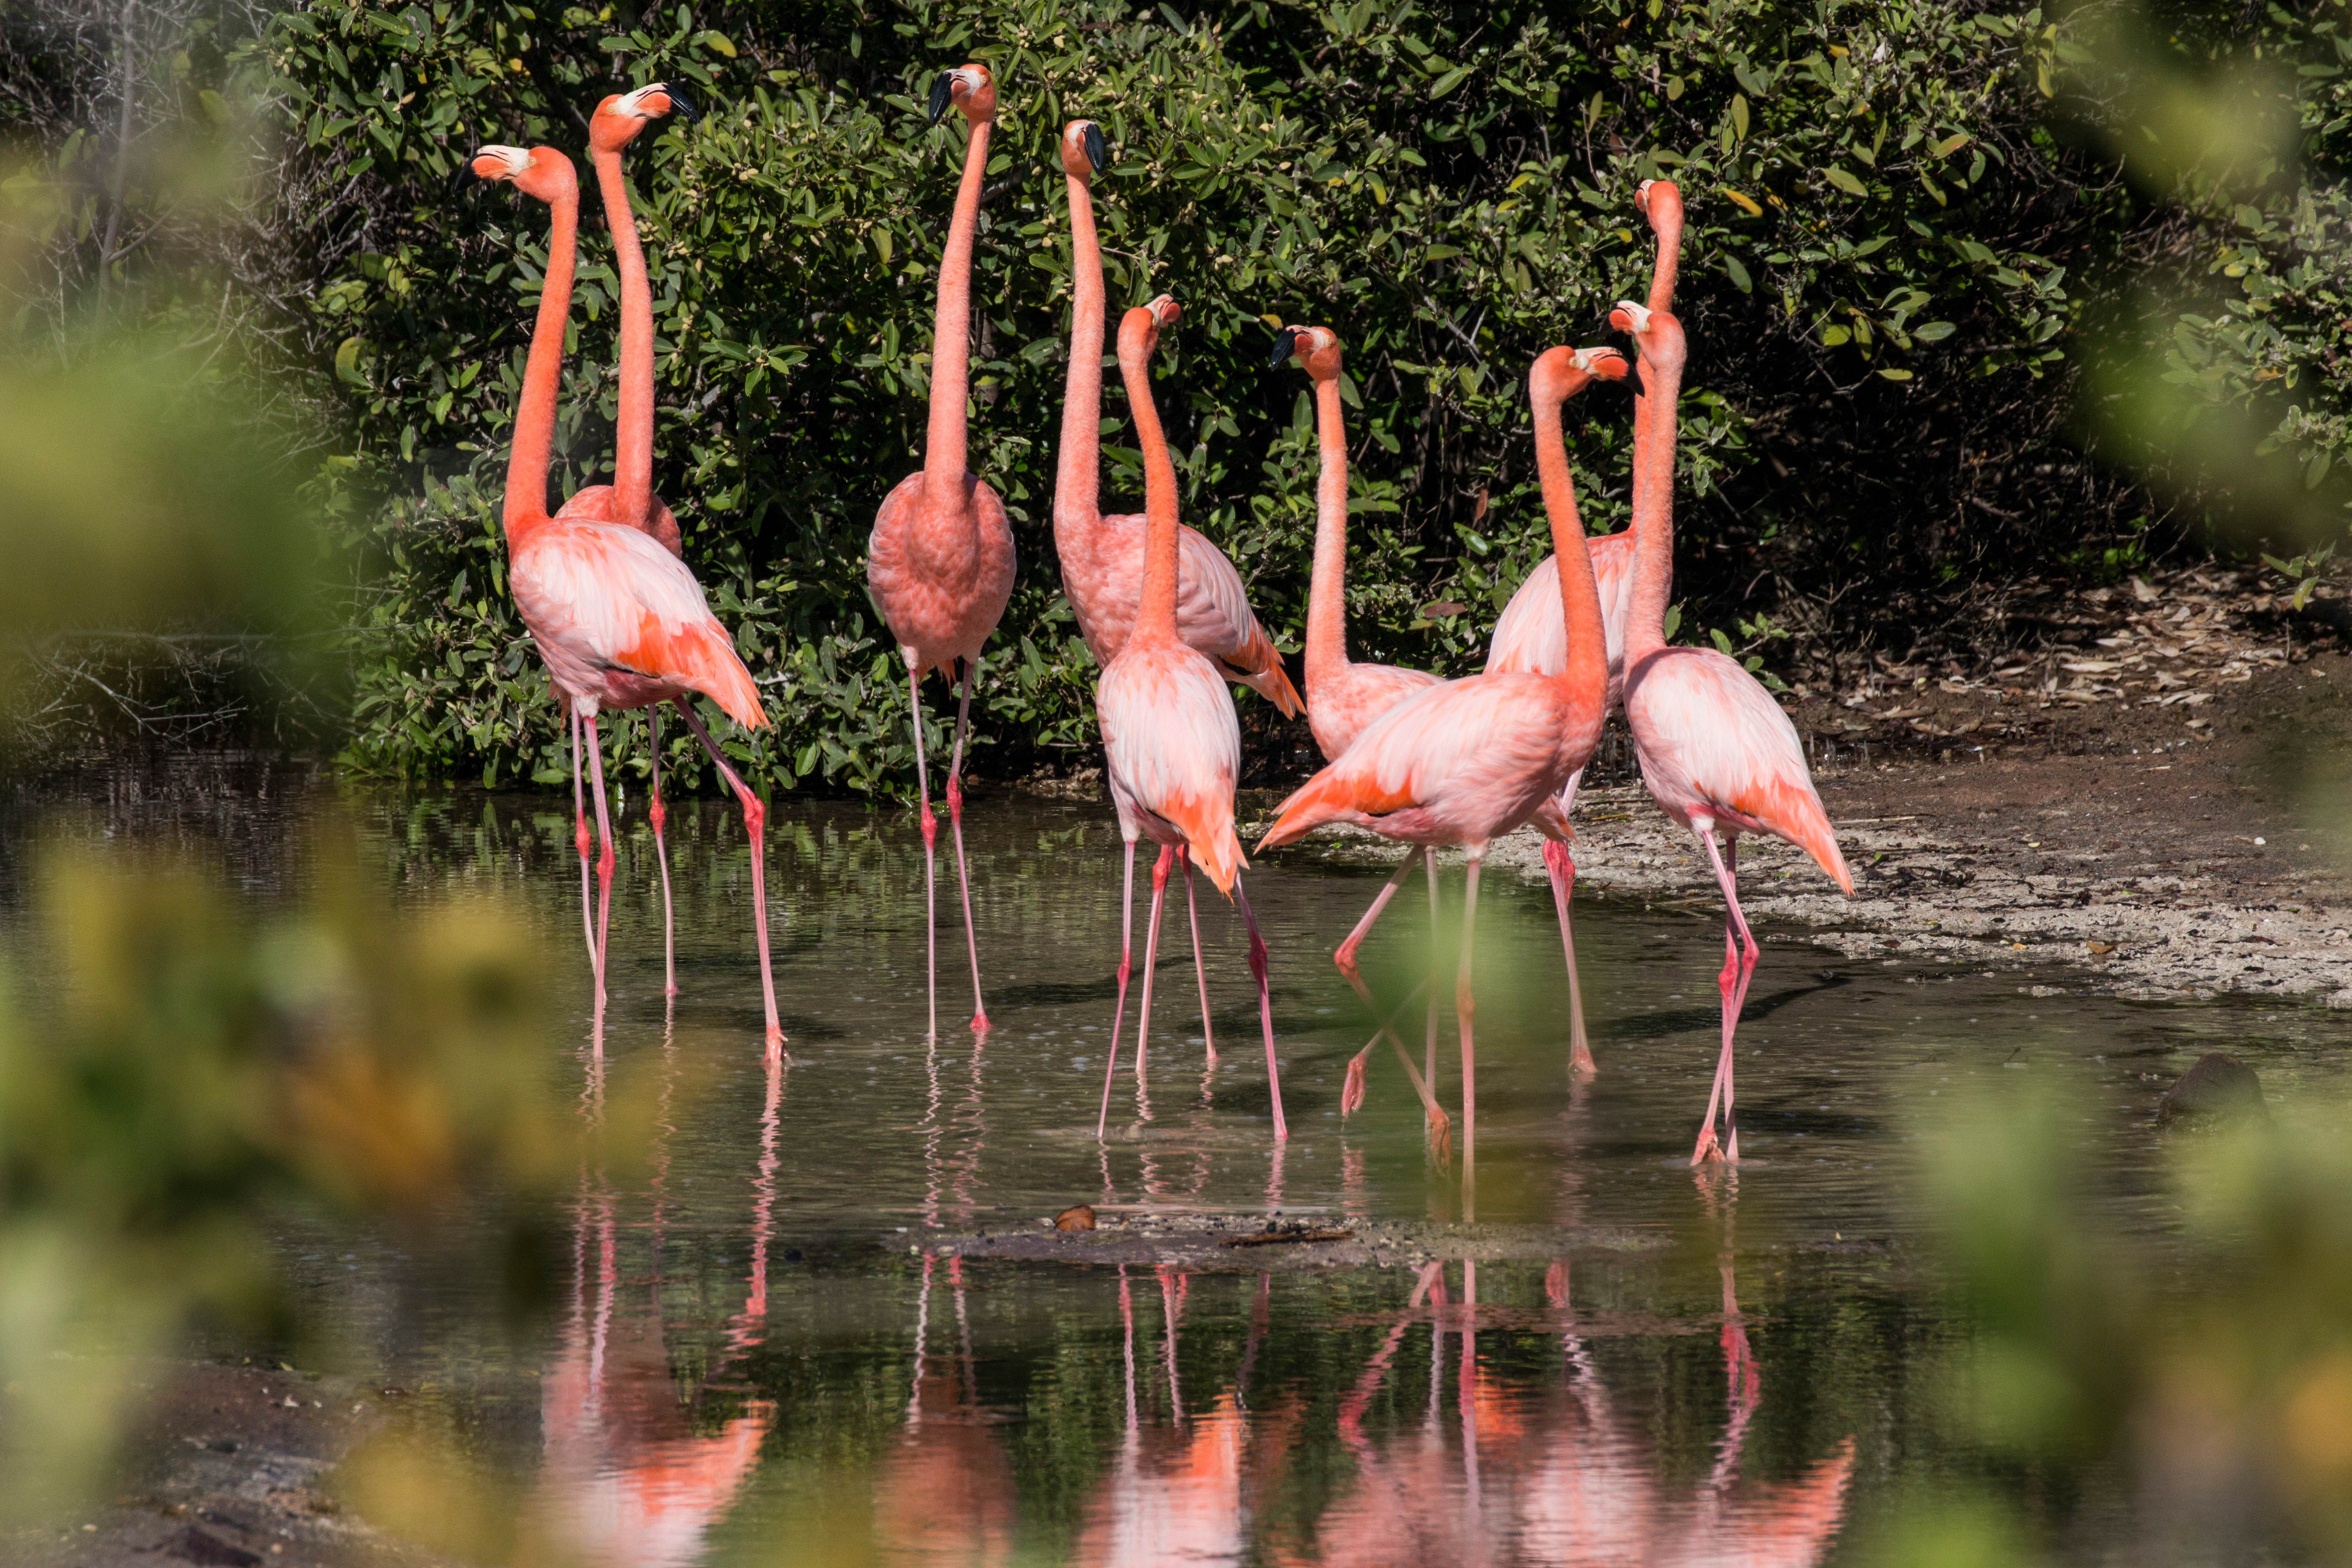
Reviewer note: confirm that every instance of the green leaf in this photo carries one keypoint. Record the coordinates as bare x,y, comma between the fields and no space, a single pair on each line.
1896,374
1846,182
1448,82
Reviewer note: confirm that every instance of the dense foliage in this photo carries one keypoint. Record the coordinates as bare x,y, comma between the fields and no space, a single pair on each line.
1902,214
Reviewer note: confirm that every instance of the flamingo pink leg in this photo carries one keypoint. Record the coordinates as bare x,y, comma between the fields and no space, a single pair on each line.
659,815
603,849
1126,952
1561,868
1429,1048
1346,957
1151,954
1464,1012
930,837
1264,1009
580,841
755,826
963,877
1740,952
1200,960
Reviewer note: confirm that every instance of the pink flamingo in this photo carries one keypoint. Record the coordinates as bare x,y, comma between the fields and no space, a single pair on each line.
1530,636
1462,762
1343,696
940,561
619,620
1102,557
629,499
1171,744
1716,750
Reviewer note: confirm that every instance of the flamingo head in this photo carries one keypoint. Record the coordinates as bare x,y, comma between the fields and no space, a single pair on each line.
539,172
1560,374
1316,350
970,88
1657,335
619,117
1083,152
1660,201
1138,330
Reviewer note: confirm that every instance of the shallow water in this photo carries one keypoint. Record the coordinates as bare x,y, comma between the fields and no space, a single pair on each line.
759,1330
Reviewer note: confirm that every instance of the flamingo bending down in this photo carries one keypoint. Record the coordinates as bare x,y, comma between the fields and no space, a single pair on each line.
1343,696
1530,635
619,620
1716,750
1171,744
1464,761
1102,557
629,499
940,560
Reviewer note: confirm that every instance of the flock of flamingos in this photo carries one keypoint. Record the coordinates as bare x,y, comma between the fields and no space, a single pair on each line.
623,623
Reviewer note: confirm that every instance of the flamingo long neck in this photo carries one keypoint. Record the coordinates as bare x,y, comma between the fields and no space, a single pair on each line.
633,439
1155,617
1326,594
1078,483
943,450
1654,544
1662,297
1586,678
543,374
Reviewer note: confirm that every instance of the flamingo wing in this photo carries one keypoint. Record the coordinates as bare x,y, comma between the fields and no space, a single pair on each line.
1713,740
617,599
1173,747
1467,759
1214,615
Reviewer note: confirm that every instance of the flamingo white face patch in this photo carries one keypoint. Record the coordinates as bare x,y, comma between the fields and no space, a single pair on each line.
515,160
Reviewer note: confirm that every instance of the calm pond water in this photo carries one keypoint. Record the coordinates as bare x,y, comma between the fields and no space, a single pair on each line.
758,1327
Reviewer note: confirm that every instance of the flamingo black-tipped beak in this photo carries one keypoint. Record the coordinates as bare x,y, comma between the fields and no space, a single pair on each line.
465,179
942,94
681,105
1285,345
1098,154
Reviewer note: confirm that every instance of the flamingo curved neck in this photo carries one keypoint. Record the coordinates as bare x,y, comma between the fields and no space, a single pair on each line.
1654,542
1662,273
1155,617
633,437
1586,678
1326,592
543,374
943,448
1078,483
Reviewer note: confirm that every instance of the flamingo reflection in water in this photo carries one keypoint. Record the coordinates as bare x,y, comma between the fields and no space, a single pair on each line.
1563,1480
630,1479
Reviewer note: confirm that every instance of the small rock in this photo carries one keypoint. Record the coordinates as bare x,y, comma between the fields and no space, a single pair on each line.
1079,1216
2218,1086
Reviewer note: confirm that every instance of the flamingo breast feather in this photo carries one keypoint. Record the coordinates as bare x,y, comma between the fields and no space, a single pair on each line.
1173,747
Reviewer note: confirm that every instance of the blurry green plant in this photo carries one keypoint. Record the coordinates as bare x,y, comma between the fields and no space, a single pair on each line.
2200,1354
205,1064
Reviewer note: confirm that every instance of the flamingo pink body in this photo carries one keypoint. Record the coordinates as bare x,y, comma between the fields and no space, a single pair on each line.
618,618
940,560
1171,744
1716,752
1460,762
1102,557
1530,634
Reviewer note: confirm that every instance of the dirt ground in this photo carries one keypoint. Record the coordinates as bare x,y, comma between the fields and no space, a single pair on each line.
226,1470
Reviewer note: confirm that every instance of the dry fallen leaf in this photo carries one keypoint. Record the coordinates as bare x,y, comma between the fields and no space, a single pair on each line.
1080,1217
2101,948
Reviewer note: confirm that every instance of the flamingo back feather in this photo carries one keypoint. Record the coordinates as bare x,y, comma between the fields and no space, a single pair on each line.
614,598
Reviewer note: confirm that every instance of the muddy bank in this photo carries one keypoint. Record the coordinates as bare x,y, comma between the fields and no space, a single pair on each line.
2171,850
231,1467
